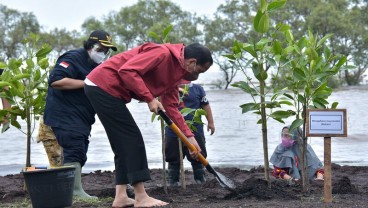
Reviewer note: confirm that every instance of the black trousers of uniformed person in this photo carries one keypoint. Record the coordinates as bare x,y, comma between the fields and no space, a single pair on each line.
125,138
173,155
74,144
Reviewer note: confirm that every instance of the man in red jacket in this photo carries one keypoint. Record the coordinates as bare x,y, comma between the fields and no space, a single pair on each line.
143,73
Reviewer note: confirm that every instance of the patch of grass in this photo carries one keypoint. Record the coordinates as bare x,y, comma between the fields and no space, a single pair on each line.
21,203
98,203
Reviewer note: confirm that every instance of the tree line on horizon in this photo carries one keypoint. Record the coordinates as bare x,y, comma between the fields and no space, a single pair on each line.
131,25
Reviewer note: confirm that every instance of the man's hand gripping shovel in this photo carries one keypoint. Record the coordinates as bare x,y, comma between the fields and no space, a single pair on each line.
223,180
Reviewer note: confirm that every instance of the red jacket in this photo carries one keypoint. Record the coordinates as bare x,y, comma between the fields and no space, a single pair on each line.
143,73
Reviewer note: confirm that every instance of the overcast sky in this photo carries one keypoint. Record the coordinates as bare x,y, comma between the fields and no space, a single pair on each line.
70,14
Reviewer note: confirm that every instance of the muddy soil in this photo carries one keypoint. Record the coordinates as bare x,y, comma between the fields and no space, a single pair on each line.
349,189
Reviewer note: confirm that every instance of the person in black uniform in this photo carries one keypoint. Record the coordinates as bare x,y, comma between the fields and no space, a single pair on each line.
195,98
68,111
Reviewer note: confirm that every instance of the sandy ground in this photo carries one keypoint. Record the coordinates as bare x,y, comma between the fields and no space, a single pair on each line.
349,189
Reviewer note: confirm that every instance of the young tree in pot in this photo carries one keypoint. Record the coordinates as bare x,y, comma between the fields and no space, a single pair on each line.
24,85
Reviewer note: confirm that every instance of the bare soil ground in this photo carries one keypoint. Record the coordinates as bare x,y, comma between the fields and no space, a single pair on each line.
349,189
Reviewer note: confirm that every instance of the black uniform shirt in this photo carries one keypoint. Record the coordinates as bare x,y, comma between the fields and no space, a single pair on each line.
70,109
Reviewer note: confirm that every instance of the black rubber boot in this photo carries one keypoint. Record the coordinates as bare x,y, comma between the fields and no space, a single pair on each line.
199,174
173,175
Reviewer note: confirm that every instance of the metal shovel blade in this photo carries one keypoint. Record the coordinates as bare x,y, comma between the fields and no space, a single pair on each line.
223,180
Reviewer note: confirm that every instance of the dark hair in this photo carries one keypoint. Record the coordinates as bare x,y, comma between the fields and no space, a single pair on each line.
88,44
199,52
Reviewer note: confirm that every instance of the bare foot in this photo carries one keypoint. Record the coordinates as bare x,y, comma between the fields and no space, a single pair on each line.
149,202
123,202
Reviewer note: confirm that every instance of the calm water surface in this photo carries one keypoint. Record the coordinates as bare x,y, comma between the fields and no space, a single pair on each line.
237,141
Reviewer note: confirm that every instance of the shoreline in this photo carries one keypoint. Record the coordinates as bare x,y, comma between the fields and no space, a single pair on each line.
6,170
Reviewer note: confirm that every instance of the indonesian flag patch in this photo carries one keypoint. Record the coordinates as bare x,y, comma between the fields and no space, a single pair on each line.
64,64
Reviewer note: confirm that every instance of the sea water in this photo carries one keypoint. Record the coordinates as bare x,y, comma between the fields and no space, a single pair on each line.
237,141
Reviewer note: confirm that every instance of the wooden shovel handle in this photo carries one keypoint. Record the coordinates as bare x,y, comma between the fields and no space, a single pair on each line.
182,137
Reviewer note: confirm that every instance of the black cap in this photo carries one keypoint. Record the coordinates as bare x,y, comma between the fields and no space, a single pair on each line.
103,38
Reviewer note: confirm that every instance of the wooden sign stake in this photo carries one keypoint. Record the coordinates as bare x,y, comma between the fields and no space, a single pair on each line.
326,123
327,191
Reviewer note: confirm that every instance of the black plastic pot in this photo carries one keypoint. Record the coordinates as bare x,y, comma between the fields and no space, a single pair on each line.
51,187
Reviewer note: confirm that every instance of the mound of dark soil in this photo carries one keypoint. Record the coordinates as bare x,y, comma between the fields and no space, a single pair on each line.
349,183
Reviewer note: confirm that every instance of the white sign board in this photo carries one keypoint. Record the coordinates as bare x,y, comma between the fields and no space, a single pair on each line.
326,122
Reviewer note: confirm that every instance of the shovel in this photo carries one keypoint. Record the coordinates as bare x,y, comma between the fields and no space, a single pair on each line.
223,180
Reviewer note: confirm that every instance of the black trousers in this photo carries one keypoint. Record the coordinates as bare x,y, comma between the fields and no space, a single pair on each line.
125,138
74,144
173,155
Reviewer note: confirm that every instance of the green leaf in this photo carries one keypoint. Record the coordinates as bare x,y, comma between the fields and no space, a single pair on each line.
237,47
248,107
279,120
326,52
167,31
299,74
4,84
44,63
320,42
318,105
301,98
2,65
154,36
277,48
334,105
187,111
285,102
276,5
264,23
16,124
321,100
38,101
46,49
37,75
262,76
280,114
249,48
263,5
288,96
261,44
322,91
245,87
272,104
348,67
341,62
200,112
30,63
289,36
271,61
20,76
229,56
296,123
256,20
287,50
284,28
